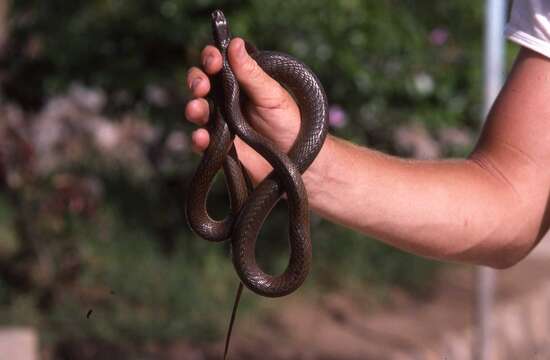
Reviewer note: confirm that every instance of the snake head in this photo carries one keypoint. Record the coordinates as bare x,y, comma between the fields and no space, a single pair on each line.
220,29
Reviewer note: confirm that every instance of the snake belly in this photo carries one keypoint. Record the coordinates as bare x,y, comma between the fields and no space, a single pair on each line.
249,211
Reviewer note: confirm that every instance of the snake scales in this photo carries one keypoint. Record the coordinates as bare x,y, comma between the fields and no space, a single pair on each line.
250,207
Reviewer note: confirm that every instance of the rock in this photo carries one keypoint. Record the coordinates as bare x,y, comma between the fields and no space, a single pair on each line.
19,344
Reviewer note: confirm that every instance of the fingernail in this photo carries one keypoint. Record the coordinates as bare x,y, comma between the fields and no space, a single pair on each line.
207,61
195,83
241,52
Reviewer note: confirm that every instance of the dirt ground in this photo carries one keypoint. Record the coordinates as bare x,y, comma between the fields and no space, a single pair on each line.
347,327
350,326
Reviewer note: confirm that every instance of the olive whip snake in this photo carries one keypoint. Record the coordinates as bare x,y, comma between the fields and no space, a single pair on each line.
250,206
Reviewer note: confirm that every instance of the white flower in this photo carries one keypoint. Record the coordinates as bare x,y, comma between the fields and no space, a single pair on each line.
424,83
106,136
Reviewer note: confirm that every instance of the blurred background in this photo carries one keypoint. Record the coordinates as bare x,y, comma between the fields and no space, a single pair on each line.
95,254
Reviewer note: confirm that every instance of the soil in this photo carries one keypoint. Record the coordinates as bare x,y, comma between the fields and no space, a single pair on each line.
350,326
347,327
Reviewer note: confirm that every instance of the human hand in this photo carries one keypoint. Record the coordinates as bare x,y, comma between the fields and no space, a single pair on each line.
270,109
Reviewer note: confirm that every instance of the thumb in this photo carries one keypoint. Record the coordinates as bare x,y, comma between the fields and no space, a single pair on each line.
262,90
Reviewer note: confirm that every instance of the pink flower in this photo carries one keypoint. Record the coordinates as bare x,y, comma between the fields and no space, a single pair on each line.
439,36
337,116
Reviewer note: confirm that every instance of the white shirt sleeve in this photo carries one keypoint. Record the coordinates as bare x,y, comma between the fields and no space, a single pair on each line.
529,25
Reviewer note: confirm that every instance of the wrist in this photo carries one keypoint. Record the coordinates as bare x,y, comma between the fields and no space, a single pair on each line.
316,175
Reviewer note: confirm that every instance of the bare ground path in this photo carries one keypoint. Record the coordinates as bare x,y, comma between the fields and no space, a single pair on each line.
339,326
347,327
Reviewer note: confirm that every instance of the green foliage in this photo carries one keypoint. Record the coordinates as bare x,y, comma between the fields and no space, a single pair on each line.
384,62
135,294
348,259
143,296
368,53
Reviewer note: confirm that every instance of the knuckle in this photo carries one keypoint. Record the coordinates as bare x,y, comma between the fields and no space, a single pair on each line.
207,50
193,71
278,98
253,69
281,94
192,74
189,111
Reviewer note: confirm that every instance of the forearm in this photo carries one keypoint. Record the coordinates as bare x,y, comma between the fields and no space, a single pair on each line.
490,209
459,210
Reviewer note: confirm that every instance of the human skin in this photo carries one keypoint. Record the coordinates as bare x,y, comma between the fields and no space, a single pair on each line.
488,209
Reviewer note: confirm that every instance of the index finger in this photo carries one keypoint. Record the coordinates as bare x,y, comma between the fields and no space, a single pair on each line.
211,60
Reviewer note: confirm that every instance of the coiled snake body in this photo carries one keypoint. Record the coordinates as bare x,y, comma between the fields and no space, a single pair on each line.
249,208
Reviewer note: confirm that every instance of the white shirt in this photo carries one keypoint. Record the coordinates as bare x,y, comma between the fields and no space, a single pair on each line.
529,25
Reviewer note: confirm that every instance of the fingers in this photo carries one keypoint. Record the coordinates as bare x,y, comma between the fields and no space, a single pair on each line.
260,87
197,111
262,90
198,82
211,60
200,140
197,79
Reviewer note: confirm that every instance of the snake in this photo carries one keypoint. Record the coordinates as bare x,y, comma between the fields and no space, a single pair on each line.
250,205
